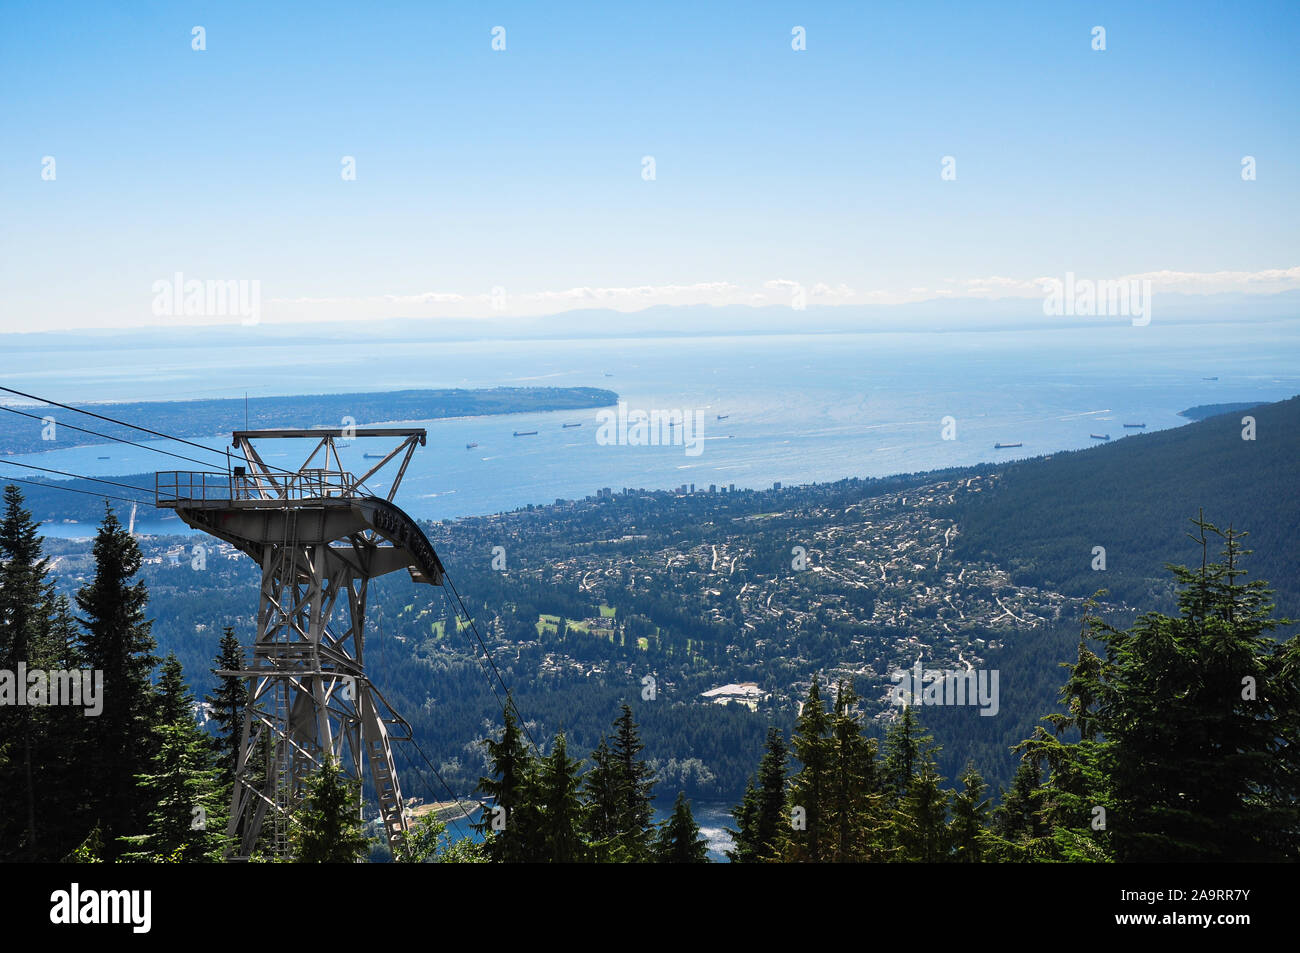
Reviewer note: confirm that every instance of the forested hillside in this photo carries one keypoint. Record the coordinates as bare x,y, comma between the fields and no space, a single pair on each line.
1042,518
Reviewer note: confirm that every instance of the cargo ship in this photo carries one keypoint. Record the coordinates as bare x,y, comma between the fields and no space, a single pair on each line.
374,456
1209,378
1099,436
1006,446
525,433
1131,426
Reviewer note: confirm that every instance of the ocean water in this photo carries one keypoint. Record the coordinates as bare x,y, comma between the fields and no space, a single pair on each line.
797,408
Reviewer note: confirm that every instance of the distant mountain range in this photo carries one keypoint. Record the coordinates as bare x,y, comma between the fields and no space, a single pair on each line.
937,314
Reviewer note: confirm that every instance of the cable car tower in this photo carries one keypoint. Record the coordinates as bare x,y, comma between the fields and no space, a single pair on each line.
319,535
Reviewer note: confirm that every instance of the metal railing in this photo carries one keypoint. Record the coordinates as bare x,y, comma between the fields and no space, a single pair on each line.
174,486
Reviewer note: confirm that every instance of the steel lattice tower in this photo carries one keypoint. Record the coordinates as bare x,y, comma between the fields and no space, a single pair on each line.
319,535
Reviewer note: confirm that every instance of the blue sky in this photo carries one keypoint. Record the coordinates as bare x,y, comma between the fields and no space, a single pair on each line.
522,168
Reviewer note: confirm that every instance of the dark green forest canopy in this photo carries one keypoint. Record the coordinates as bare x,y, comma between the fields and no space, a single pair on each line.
1202,411
1134,496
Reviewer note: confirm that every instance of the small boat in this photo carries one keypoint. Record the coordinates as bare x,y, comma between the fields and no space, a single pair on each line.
1209,378
525,433
723,416
1099,436
103,458
567,426
1131,426
471,446
1006,446
374,456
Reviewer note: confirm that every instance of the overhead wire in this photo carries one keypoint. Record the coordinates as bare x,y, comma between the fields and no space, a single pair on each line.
96,433
77,476
70,489
165,436
445,786
111,420
123,423
496,671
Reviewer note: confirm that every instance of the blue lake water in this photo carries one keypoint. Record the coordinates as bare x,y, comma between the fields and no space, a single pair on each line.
798,408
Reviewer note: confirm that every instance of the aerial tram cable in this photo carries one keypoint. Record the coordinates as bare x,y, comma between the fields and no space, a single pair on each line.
482,644
96,433
77,476
123,423
111,420
445,785
411,763
68,489
382,658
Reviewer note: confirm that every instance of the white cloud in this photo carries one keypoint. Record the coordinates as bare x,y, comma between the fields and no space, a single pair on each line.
773,292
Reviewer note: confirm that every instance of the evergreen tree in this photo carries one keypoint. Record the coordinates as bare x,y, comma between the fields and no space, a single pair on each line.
326,828
746,816
1073,797
561,813
1200,713
635,817
921,818
762,824
64,797
185,820
227,702
603,788
812,745
1019,819
118,643
773,820
679,839
968,831
505,835
854,800
181,788
1188,733
174,701
65,637
23,630
905,744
